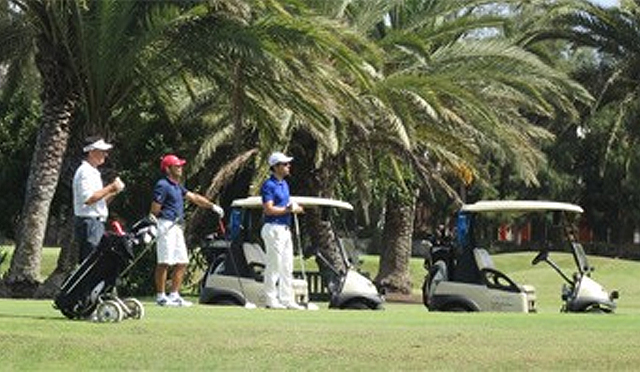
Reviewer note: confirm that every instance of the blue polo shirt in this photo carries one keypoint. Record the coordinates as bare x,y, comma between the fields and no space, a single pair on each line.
277,191
170,195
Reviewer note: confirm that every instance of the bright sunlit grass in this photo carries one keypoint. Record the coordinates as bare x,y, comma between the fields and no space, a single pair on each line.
402,337
34,336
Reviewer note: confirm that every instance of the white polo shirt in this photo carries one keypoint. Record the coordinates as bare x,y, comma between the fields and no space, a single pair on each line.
86,181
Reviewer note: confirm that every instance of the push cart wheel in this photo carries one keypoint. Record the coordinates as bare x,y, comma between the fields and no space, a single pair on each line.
134,308
109,312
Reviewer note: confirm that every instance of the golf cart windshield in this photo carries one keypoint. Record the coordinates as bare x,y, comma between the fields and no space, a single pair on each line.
581,258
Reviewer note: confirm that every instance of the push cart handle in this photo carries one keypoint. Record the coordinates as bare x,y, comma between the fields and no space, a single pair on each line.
221,227
117,228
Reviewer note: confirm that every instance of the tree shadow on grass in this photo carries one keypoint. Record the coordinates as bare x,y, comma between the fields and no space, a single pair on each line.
35,317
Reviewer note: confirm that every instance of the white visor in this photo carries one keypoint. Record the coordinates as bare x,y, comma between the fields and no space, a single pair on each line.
98,145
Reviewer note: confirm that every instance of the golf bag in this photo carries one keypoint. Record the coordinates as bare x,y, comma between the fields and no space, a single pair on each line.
94,281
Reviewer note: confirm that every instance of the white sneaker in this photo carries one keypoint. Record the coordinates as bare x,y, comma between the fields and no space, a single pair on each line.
178,301
162,301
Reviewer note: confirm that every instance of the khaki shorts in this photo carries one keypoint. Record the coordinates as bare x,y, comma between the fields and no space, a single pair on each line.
171,247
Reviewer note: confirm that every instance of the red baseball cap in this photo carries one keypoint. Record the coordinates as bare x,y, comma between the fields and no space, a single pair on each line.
169,161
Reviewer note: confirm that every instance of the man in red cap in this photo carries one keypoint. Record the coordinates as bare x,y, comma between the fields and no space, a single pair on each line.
168,207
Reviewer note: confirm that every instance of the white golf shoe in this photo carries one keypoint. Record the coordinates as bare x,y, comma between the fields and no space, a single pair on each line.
178,302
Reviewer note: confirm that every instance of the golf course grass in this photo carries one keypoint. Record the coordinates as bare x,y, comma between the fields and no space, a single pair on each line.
34,336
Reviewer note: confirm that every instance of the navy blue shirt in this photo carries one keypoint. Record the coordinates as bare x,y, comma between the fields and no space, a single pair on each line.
170,195
277,191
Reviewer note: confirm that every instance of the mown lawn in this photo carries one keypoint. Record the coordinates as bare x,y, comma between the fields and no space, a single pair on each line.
34,336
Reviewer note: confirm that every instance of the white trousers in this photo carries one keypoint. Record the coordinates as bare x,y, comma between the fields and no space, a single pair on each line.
278,273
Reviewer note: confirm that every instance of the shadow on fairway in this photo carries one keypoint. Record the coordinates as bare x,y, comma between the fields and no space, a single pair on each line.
35,317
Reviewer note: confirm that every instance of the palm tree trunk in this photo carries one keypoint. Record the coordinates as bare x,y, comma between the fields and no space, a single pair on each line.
324,239
66,260
24,272
320,184
59,103
68,257
393,274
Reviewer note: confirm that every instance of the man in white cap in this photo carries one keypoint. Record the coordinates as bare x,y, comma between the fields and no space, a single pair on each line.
168,206
90,196
276,233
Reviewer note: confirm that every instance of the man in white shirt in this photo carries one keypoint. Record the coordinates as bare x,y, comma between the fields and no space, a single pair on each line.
90,196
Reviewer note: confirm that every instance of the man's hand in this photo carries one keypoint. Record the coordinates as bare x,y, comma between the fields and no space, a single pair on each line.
295,208
118,184
152,218
218,210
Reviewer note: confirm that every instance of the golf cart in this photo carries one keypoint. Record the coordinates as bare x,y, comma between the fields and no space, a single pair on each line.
463,277
235,273
580,293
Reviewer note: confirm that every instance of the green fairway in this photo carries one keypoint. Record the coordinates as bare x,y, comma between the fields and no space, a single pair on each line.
34,336
402,337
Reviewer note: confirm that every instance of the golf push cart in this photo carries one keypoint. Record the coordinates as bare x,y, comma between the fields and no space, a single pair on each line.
236,265
89,292
462,277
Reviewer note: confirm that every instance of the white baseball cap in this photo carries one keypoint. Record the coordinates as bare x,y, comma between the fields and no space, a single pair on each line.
98,145
278,157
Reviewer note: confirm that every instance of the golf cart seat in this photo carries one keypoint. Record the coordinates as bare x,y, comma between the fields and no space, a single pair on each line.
438,272
254,253
491,277
483,259
256,259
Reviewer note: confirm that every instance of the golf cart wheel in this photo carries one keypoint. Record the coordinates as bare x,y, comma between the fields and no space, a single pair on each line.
135,309
457,308
227,301
595,310
425,292
109,312
356,304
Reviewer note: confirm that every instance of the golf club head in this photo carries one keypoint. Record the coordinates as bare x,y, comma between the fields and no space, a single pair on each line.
249,305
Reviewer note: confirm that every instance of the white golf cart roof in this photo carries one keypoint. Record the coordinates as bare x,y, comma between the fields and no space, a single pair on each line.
519,206
304,201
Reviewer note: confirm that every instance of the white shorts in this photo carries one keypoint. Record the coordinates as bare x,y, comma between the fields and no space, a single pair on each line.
171,247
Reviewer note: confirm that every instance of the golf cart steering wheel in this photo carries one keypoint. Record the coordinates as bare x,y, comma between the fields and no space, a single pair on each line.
497,280
257,269
541,256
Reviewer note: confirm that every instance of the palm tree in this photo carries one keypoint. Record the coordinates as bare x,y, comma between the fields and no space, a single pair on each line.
458,96
45,23
609,127
92,56
271,73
